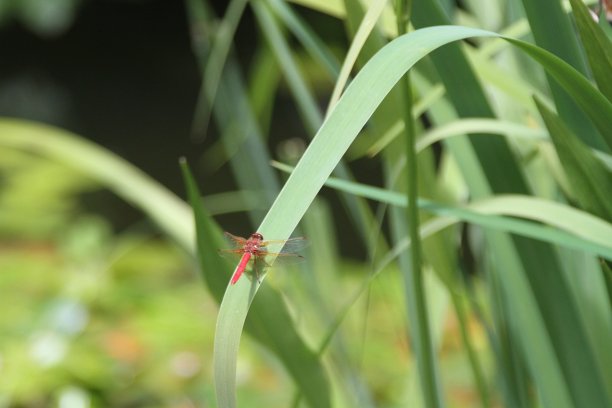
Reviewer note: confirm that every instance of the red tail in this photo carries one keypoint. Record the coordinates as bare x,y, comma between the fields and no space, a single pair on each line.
241,267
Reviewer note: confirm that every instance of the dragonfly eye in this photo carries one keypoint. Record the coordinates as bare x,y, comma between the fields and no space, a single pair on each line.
257,236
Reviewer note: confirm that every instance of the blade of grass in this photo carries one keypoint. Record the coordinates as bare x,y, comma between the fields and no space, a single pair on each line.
355,107
383,118
240,133
597,46
591,185
584,231
249,166
484,126
168,211
311,116
175,219
264,80
234,116
234,202
513,378
364,30
420,107
582,92
308,107
313,44
281,337
552,31
385,115
214,64
333,8
333,139
591,182
462,127
269,322
491,127
426,360
537,283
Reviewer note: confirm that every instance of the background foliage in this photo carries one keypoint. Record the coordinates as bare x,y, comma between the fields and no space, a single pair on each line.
510,305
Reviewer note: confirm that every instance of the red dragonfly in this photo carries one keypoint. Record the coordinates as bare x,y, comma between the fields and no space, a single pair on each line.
256,248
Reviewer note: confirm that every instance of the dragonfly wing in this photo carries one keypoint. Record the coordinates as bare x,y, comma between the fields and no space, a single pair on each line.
281,258
233,240
231,254
288,246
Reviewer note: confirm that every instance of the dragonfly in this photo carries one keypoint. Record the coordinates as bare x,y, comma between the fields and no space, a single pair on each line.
256,248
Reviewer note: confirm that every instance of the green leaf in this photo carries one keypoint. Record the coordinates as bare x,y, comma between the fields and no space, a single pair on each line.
208,239
269,321
168,211
365,28
272,326
527,269
592,102
306,103
552,30
351,113
313,44
582,230
215,62
590,181
308,108
597,46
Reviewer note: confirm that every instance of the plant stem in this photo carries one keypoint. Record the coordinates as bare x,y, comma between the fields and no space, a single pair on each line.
479,376
422,339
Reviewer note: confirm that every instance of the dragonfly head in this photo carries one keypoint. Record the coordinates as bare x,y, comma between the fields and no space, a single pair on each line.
257,236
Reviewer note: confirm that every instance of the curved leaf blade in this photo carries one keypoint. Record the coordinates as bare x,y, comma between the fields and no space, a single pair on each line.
353,110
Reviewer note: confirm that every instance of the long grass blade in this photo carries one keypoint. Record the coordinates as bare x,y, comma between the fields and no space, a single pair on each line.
331,142
591,182
168,211
215,62
552,31
576,229
270,323
597,46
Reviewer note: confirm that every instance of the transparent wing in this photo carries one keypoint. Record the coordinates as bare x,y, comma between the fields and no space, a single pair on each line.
284,251
233,241
231,254
283,258
291,245
235,244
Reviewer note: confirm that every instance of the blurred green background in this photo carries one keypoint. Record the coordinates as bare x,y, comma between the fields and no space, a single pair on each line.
102,307
97,308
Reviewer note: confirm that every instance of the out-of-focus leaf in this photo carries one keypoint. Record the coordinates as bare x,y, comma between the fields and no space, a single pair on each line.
586,232
336,134
590,181
592,102
597,46
168,211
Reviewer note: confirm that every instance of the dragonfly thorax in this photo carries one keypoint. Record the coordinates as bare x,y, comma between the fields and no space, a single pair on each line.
253,243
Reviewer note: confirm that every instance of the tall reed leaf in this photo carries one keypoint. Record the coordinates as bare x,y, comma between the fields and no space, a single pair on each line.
168,211
553,32
590,180
353,110
597,46
270,322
